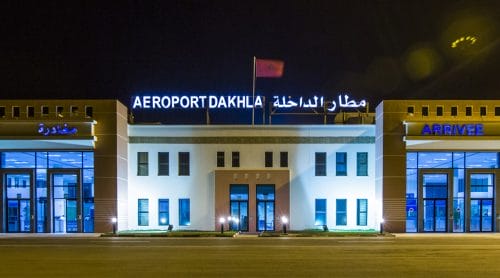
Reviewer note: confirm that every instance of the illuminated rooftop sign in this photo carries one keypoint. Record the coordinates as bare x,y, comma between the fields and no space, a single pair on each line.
56,130
242,102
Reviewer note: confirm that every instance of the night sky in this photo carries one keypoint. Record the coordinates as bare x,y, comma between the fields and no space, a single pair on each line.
372,49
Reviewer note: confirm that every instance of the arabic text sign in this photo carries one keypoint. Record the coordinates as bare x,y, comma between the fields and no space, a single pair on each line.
316,102
63,129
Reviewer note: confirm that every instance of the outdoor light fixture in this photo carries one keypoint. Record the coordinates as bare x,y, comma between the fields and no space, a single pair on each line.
382,225
163,220
221,221
284,221
114,221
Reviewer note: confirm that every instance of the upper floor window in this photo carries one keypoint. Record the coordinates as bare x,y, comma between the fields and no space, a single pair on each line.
497,111
45,110
30,111
16,112
269,159
235,159
439,111
468,111
220,159
142,164
454,111
362,164
410,109
341,166
320,164
482,111
163,164
89,111
425,110
74,111
183,164
59,111
283,159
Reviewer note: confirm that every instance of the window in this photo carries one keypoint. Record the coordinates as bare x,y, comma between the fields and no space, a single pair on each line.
74,111
362,218
16,111
30,111
142,164
283,159
439,111
236,159
454,111
341,166
220,159
163,217
320,212
89,111
163,166
468,111
362,164
45,110
482,111
341,212
497,111
183,164
269,159
59,111
320,164
2,111
184,212
425,111
143,212
410,109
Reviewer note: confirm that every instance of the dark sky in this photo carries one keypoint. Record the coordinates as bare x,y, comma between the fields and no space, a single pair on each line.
373,49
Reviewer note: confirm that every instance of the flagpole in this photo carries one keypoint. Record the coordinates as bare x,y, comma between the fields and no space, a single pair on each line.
253,92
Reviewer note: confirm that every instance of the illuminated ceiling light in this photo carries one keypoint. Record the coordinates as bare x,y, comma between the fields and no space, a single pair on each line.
465,40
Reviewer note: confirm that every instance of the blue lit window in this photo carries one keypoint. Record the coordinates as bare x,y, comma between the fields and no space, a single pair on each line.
65,159
320,164
239,192
18,160
362,215
143,212
320,212
341,160
88,160
481,160
362,164
163,213
41,160
411,160
341,219
184,212
434,160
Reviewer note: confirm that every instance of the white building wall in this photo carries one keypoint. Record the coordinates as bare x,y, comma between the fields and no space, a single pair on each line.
305,187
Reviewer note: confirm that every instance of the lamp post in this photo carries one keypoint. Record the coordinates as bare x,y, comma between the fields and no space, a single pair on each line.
114,221
382,226
284,221
221,221
229,228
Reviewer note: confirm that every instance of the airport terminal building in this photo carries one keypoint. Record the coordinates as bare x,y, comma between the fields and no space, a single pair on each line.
418,165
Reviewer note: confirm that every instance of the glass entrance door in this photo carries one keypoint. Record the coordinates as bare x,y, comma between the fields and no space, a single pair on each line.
265,207
435,202
239,207
66,202
481,202
481,219
18,202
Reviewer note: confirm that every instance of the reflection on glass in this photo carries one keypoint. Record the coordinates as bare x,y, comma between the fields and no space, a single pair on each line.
481,160
434,160
18,160
65,160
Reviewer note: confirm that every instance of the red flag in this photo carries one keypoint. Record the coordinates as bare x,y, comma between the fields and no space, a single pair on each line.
269,68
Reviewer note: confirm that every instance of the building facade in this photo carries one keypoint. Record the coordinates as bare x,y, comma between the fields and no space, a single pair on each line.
438,165
71,166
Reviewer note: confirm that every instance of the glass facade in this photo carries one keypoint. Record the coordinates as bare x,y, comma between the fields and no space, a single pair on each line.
48,191
454,186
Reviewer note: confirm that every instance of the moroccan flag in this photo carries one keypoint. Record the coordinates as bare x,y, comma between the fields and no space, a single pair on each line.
269,68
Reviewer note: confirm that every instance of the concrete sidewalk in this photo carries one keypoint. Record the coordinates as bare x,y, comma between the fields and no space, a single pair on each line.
42,235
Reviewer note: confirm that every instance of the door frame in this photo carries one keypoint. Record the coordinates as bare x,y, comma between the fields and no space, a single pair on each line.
420,202
50,192
3,196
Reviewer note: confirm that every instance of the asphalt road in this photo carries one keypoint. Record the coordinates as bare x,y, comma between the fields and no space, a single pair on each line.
401,256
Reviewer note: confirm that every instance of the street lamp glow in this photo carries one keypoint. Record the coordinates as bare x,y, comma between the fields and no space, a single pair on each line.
114,220
284,219
163,220
222,220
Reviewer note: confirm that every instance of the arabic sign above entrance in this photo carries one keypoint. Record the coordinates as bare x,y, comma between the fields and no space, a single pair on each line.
242,102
